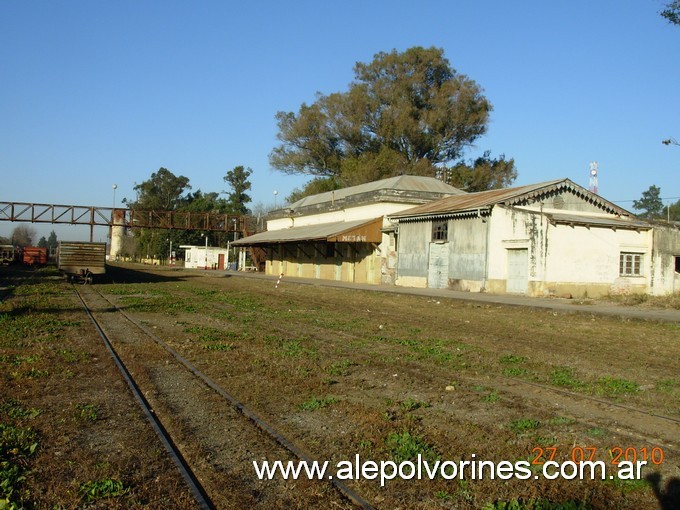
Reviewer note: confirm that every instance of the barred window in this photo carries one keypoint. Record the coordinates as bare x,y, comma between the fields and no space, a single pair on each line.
440,231
630,264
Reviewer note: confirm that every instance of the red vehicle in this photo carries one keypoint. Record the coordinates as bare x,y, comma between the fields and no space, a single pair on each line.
34,256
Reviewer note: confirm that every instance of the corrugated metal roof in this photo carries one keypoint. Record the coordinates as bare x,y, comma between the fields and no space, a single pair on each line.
507,196
399,182
319,232
597,221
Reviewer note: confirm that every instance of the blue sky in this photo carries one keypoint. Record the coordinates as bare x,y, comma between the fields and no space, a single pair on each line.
99,93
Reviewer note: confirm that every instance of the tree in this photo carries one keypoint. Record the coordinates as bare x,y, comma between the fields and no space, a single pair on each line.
672,212
481,174
237,198
650,202
162,192
23,235
43,242
672,12
52,242
407,112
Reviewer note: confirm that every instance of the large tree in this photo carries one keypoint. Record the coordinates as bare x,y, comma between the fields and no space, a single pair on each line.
650,203
23,235
672,12
482,173
163,191
237,198
407,112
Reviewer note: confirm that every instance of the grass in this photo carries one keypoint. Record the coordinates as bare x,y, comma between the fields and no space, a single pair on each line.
95,490
536,504
17,446
317,403
612,386
87,412
404,446
523,425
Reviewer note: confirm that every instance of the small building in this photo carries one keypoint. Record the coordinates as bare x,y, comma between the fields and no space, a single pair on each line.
343,234
550,238
200,257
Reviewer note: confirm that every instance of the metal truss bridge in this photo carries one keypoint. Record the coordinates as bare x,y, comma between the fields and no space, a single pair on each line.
118,217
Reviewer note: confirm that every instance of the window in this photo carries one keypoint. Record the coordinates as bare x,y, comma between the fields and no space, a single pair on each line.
630,264
677,264
440,231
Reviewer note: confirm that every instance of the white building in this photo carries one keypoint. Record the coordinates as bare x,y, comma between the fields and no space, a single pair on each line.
343,234
551,238
200,257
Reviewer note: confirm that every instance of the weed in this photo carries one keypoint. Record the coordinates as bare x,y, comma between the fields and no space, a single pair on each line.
596,432
564,377
561,420
627,486
317,403
535,504
365,444
491,398
14,409
339,368
413,404
34,373
87,412
511,359
294,349
515,372
404,446
102,489
666,385
523,425
71,356
611,386
17,444
219,347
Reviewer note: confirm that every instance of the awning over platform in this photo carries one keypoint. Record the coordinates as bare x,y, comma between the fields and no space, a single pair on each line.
359,231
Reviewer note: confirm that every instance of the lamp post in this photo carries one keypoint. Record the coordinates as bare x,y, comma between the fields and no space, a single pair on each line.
235,238
275,193
206,249
113,213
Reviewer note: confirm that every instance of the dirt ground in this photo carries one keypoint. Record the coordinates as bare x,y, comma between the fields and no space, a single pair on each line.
339,373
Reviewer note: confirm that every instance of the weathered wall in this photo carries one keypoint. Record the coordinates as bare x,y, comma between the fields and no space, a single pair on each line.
355,262
467,253
665,251
412,248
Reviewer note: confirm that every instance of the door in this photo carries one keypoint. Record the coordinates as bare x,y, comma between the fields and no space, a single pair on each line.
220,261
518,271
438,266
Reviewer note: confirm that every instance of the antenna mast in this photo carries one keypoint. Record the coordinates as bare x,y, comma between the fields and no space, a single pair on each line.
592,184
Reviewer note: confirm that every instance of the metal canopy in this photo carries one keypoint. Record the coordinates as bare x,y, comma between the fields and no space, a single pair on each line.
358,231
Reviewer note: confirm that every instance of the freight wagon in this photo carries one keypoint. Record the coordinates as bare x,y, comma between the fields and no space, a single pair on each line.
34,256
81,261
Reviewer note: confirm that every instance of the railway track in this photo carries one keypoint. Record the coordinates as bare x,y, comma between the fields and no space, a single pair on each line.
211,436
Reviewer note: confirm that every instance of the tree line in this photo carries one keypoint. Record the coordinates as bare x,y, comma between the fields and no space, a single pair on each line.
165,191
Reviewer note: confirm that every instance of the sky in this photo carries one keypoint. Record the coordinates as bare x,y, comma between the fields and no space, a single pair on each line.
97,93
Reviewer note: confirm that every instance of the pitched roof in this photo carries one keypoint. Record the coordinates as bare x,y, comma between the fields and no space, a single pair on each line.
337,231
520,195
397,183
